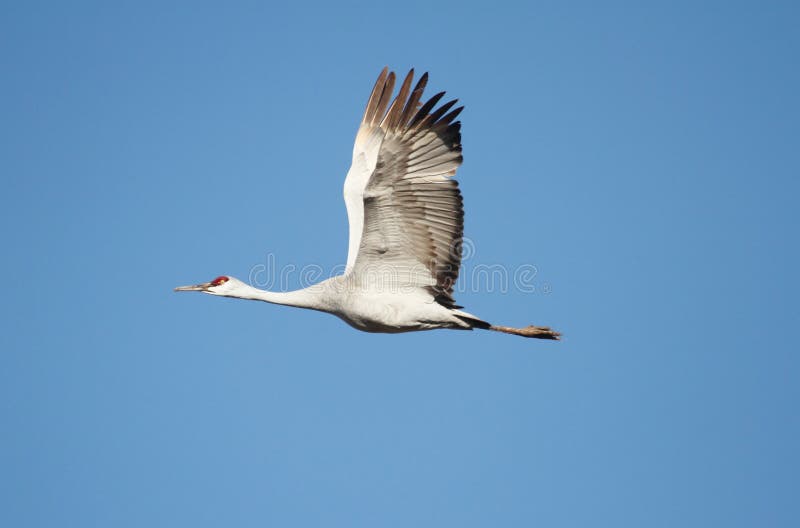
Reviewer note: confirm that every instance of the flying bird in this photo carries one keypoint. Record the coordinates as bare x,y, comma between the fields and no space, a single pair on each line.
406,220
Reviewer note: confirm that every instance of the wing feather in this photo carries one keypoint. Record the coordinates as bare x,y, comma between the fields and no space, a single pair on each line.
405,209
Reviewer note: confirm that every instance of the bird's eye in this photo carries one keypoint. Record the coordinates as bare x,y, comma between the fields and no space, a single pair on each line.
219,280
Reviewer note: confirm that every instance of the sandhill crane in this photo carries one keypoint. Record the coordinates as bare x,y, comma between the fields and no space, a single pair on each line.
406,224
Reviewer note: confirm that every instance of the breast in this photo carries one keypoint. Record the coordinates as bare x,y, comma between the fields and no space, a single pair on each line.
372,313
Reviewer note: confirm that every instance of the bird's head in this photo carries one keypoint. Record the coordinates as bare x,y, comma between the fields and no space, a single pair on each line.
222,285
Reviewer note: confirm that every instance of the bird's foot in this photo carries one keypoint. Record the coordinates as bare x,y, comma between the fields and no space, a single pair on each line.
539,332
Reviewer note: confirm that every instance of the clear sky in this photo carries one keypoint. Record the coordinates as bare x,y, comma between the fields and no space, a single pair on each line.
638,164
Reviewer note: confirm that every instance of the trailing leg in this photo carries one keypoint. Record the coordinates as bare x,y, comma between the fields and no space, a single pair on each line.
539,332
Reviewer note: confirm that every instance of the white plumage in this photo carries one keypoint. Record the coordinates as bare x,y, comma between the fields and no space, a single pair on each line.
406,223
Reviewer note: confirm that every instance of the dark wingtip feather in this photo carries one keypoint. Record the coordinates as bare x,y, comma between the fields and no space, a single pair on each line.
452,115
422,113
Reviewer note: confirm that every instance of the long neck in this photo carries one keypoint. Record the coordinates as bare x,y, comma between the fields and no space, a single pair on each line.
310,298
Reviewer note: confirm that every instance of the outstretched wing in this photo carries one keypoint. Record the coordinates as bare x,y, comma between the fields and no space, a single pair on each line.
405,210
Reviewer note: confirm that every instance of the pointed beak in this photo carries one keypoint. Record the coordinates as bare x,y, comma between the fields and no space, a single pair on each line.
197,287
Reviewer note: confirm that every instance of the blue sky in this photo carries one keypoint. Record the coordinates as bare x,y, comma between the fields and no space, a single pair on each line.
642,159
